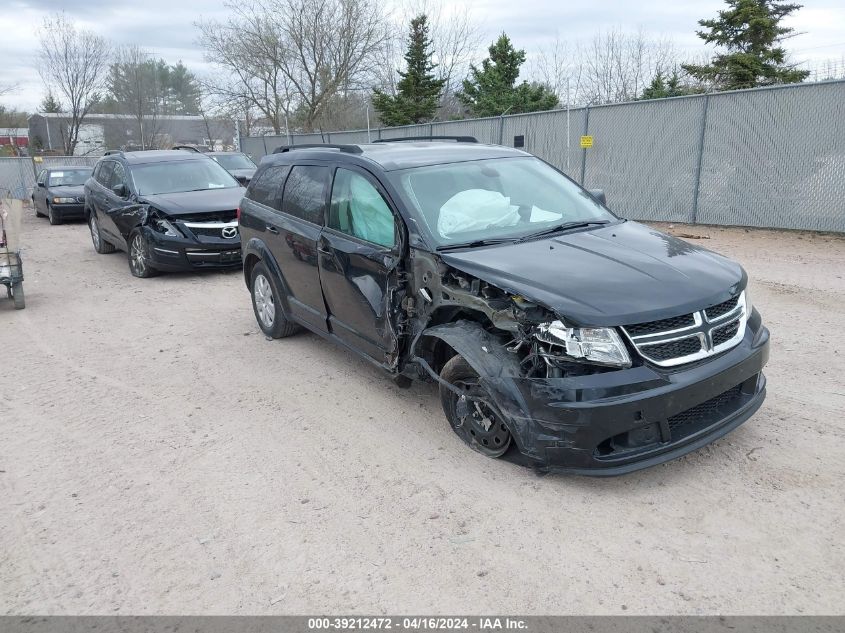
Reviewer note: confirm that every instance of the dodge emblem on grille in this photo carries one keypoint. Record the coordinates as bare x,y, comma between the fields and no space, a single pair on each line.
230,232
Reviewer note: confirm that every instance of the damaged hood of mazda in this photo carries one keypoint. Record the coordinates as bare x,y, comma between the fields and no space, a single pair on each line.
191,202
615,275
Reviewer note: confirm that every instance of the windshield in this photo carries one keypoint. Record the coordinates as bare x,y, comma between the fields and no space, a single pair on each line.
234,161
181,175
498,198
68,177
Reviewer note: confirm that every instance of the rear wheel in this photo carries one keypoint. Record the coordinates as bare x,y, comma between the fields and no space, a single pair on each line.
139,256
18,296
267,305
54,216
472,415
100,245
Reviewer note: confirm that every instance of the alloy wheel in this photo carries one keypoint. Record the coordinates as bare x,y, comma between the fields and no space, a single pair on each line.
95,231
137,255
265,305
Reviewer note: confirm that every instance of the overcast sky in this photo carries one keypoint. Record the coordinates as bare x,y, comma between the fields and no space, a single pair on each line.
166,28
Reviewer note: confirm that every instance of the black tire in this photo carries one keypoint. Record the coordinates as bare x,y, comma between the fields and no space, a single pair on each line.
100,245
18,296
54,216
138,254
38,213
477,423
265,293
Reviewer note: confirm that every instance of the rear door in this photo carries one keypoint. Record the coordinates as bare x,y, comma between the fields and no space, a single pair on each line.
292,230
100,201
39,196
359,252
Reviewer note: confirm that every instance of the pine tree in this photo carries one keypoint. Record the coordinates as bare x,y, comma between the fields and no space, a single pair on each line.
418,90
492,89
50,104
662,87
750,31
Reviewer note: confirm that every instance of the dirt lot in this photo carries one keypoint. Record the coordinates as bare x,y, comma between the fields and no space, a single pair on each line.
158,455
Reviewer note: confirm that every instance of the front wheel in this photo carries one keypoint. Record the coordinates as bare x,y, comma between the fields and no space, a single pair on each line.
267,305
472,415
54,216
38,213
100,245
139,256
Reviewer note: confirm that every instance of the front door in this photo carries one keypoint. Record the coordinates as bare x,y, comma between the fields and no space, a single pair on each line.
359,253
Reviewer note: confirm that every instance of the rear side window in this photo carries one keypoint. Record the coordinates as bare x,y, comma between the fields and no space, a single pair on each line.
305,192
267,188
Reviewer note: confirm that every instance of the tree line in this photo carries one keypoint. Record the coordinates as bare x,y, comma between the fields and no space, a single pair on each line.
310,65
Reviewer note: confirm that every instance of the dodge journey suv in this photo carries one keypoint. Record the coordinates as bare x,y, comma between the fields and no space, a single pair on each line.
554,328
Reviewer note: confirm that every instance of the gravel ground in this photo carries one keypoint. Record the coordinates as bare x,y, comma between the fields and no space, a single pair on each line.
158,455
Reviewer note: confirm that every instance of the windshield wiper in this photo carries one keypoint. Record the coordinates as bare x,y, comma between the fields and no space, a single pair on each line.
474,243
562,227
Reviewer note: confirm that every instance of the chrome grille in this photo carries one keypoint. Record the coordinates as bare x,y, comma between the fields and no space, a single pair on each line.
227,230
691,337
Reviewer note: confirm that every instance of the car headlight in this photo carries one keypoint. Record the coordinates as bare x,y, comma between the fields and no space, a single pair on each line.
602,345
749,307
163,226
63,200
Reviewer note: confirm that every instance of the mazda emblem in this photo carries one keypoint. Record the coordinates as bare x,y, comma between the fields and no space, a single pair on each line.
230,232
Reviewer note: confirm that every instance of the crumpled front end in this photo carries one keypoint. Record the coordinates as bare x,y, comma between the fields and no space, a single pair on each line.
594,403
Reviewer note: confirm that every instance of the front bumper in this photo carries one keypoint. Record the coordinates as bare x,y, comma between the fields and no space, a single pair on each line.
617,422
70,211
172,254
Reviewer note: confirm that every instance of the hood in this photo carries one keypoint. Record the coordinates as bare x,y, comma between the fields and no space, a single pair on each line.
191,202
616,275
67,191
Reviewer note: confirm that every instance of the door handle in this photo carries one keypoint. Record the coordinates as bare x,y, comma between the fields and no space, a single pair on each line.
272,229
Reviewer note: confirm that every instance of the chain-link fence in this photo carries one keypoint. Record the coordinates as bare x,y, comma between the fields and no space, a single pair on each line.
17,174
768,157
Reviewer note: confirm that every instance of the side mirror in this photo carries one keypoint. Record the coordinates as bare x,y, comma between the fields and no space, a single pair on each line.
40,184
598,194
120,190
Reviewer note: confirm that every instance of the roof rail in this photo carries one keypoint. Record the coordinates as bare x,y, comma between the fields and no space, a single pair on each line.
189,148
111,152
457,139
348,149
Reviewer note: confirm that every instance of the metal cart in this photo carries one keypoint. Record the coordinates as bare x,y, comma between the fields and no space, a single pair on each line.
11,268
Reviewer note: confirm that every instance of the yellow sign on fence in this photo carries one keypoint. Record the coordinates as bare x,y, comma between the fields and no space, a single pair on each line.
586,142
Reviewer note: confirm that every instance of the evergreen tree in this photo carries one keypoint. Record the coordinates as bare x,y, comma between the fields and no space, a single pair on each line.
50,104
662,87
418,90
750,31
492,89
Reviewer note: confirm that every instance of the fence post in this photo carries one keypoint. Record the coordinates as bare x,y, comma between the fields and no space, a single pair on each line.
501,127
584,151
264,138
697,185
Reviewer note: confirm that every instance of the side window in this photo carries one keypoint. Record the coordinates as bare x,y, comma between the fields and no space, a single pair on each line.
305,192
105,172
267,188
358,209
118,176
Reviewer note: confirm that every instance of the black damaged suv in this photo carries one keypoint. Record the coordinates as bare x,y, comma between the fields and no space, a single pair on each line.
169,210
585,342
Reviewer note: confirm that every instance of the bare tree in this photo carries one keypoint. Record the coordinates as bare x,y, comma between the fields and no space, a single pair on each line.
249,48
7,89
617,66
293,56
331,44
558,67
72,63
133,81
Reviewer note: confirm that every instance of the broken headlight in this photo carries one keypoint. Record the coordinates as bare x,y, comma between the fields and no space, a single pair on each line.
602,345
163,226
